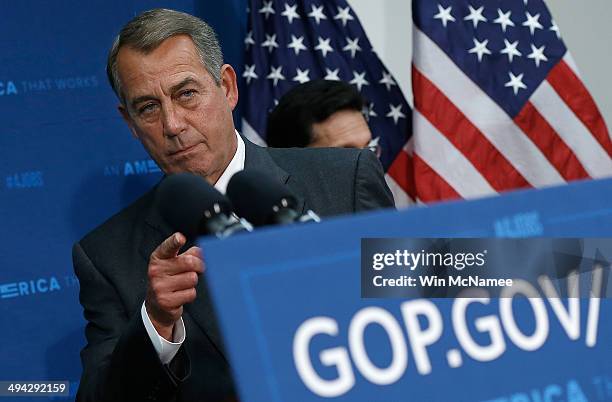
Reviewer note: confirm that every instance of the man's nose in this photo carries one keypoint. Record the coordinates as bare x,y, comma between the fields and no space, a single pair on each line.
173,121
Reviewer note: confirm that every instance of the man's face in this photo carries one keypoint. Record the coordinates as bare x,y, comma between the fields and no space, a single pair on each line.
343,129
175,108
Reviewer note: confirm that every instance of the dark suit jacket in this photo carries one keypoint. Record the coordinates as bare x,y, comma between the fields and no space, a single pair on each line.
119,361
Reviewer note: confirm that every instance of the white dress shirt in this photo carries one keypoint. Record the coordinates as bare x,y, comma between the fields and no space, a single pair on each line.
165,349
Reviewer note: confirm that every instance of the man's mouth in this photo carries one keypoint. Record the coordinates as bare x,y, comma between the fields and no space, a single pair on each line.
183,151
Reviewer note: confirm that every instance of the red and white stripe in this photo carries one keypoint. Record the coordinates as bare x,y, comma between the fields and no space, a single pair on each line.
466,146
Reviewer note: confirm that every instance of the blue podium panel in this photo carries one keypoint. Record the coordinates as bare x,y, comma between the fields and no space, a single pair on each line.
296,328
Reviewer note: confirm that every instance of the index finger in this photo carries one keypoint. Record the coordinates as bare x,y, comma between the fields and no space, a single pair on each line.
170,247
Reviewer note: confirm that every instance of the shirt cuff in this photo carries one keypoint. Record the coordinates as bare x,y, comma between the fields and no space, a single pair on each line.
165,350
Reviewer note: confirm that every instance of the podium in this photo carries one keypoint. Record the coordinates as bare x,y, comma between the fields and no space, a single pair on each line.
295,327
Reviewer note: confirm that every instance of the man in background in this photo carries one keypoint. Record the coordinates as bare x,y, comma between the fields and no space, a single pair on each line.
319,114
151,332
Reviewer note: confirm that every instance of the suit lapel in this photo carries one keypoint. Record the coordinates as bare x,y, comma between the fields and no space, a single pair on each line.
156,229
203,314
259,158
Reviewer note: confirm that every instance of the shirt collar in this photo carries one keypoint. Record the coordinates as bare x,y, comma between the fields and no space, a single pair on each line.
235,165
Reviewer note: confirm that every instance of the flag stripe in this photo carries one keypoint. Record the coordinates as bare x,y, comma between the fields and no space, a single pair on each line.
442,113
440,154
483,112
588,151
548,141
252,135
400,196
573,92
571,63
431,187
402,173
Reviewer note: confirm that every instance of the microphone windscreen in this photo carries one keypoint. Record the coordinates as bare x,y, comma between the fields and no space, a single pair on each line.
183,200
254,196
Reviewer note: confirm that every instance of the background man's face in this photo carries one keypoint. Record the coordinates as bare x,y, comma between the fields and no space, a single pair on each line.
175,108
343,129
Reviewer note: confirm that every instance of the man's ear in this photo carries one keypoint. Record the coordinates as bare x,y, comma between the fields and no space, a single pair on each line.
229,84
127,118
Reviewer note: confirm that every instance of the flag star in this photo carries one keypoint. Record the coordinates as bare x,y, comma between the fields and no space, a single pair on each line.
387,80
344,14
516,82
267,9
301,76
533,22
396,113
511,50
324,46
352,46
537,54
374,144
270,42
555,29
370,110
297,44
504,19
475,16
276,74
248,41
480,48
249,73
290,12
317,13
444,15
359,80
332,75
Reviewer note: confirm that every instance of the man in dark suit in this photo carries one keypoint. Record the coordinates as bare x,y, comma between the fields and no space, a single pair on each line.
151,332
321,114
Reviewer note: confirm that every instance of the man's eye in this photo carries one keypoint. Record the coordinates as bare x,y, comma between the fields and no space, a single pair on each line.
146,109
187,94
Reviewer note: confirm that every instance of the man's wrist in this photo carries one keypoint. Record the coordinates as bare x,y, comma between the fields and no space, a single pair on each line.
166,348
164,331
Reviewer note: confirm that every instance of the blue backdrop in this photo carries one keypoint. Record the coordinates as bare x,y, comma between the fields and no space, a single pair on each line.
67,162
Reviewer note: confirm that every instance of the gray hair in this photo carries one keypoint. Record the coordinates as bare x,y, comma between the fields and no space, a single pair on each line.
147,31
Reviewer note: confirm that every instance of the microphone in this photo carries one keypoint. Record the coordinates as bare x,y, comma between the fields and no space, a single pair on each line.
193,207
263,201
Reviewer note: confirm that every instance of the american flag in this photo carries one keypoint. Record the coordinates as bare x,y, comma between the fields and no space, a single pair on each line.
294,41
498,103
